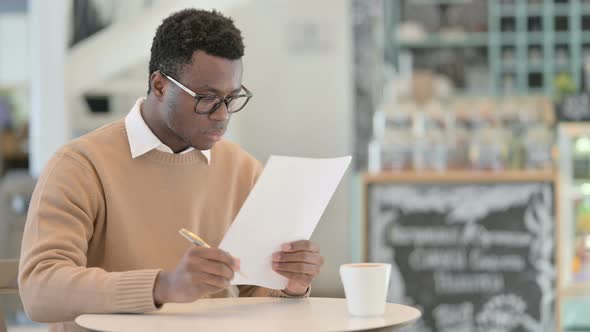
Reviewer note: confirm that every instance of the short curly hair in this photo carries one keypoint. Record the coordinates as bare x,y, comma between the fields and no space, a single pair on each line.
189,30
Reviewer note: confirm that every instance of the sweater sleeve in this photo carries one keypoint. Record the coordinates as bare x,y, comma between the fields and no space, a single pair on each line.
54,282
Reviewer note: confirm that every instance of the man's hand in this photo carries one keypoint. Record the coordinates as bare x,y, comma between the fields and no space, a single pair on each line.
201,271
300,262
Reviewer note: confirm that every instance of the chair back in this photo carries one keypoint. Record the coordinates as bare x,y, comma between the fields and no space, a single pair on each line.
16,189
8,283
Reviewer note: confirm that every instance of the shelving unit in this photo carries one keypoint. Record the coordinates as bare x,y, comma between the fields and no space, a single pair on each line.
555,33
537,25
574,292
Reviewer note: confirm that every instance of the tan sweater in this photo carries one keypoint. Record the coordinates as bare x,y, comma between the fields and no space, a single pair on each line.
101,225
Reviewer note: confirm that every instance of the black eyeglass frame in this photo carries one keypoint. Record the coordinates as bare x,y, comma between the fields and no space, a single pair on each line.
197,96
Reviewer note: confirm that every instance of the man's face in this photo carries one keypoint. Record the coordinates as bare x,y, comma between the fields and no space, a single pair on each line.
209,75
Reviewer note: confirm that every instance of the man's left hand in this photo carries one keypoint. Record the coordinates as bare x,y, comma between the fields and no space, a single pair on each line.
300,262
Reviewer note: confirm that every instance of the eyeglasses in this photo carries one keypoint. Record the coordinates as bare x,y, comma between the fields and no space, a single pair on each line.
207,104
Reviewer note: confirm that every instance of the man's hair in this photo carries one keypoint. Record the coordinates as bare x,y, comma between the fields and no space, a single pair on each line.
189,30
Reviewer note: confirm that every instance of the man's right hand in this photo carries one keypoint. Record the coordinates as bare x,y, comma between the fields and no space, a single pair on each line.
200,272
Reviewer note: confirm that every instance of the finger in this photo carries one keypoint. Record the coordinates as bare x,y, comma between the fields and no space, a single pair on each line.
305,268
302,278
211,280
211,267
214,254
298,257
201,287
238,263
305,245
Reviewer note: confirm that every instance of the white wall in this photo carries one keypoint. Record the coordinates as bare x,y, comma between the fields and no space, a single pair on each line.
50,119
15,62
14,49
298,65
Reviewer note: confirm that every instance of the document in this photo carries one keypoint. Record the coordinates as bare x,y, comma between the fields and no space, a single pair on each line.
284,206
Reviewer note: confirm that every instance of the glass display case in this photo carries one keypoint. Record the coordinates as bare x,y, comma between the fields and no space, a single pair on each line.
574,223
574,173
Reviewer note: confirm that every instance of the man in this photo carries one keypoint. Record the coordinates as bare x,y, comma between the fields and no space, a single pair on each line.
102,229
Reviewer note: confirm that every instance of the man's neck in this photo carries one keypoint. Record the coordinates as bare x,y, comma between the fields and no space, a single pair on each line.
150,115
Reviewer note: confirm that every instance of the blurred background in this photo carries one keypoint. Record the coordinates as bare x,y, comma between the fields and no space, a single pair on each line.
466,119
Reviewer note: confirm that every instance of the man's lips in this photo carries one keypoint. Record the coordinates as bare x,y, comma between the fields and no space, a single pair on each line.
215,134
218,132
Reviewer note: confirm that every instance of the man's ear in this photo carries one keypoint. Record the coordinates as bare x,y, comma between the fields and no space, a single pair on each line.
158,84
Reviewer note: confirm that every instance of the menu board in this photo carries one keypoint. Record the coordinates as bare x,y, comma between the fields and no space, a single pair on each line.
471,257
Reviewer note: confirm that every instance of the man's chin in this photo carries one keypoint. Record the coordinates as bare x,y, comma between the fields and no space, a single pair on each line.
204,145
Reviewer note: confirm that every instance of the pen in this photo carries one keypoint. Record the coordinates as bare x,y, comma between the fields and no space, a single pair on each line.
196,240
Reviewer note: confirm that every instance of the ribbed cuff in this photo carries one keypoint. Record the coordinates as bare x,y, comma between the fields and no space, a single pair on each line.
134,291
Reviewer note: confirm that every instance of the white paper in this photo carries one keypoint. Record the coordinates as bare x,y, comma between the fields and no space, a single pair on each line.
284,206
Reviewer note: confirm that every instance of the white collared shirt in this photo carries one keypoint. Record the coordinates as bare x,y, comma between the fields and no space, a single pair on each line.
142,139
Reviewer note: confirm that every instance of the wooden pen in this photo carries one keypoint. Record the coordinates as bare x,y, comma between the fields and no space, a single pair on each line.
196,240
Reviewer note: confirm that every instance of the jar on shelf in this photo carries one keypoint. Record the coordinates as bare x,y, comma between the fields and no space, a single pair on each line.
375,144
399,138
396,153
419,141
538,144
458,133
488,148
436,151
391,146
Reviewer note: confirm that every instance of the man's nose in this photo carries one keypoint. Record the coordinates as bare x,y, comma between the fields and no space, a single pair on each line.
221,113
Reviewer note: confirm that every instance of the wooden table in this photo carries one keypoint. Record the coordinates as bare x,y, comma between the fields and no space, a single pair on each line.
253,314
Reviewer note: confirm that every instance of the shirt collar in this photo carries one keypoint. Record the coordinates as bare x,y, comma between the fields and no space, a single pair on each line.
142,139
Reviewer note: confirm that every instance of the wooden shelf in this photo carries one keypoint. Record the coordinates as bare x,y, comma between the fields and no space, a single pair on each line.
441,40
459,176
576,290
576,128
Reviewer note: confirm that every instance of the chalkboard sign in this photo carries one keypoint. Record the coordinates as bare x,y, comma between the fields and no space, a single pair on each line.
472,257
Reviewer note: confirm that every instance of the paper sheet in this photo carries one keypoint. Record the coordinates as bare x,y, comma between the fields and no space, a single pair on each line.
285,205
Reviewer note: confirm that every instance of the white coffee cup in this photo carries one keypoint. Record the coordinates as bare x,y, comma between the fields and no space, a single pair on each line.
365,287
